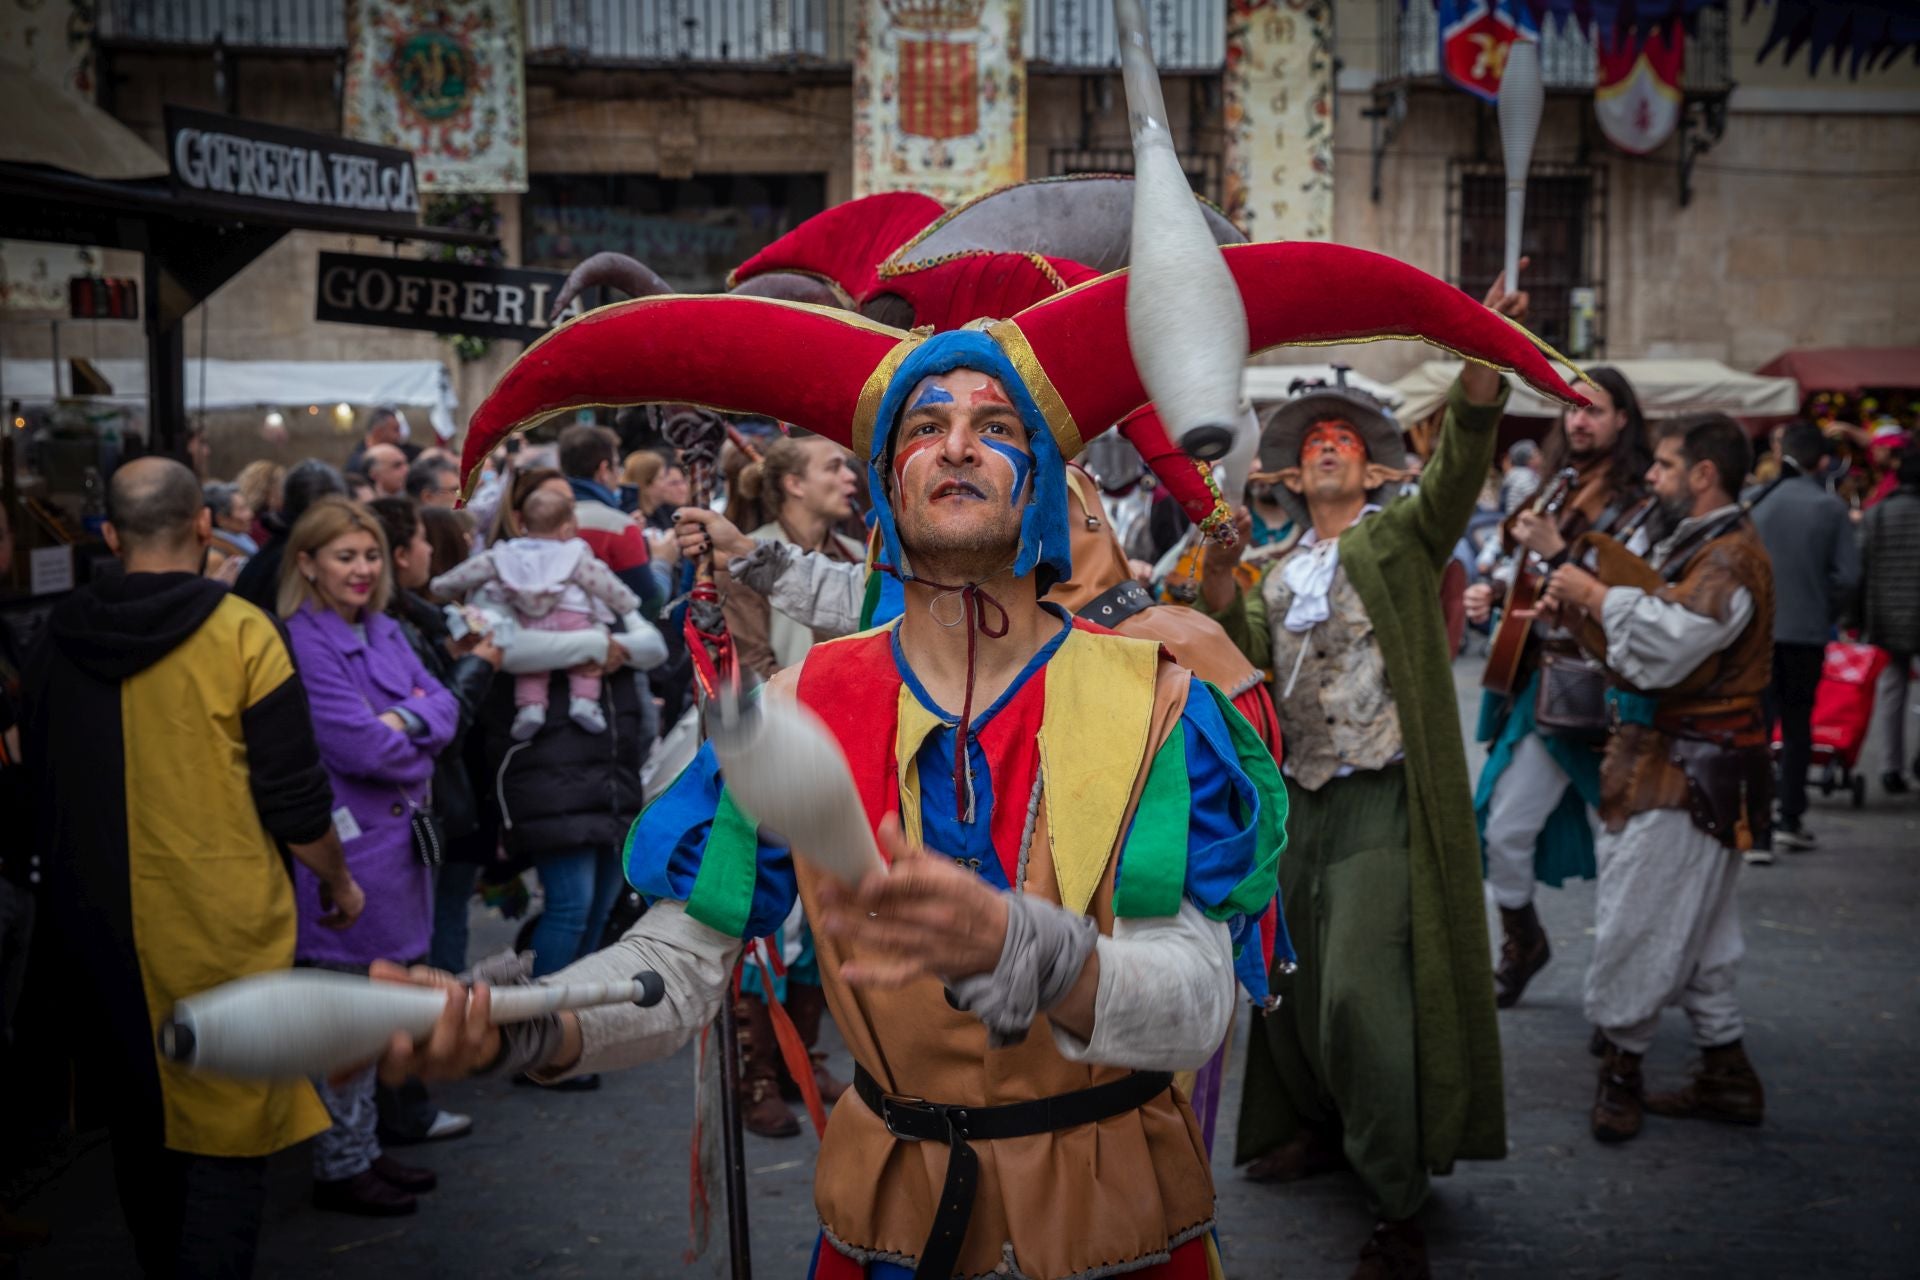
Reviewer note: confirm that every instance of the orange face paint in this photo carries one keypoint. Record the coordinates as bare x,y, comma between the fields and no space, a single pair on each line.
1342,437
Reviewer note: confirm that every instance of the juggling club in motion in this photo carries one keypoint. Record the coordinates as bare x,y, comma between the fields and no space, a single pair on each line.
1521,99
1185,321
308,1022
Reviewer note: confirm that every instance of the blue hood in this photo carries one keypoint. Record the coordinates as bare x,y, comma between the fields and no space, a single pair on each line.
1044,548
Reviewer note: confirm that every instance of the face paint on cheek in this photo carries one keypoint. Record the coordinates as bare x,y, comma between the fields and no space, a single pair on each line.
1022,464
907,453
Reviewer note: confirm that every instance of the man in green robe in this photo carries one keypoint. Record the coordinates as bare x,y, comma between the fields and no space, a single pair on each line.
1384,1053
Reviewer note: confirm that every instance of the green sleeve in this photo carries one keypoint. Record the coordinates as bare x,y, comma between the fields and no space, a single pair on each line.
1245,622
1437,514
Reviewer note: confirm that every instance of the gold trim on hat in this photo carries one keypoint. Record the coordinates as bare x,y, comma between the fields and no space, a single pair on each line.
867,413
1007,335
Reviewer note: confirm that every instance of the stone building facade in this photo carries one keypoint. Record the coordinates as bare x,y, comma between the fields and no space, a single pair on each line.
1798,228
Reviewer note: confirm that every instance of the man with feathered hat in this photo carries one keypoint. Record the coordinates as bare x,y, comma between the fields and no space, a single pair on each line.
1383,1054
1077,830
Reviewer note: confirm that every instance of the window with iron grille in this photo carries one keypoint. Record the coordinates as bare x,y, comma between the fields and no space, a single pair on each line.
1203,168
1565,237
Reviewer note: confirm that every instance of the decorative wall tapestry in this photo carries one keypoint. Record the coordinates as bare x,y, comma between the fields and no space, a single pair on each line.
1279,118
1636,92
444,79
53,39
939,97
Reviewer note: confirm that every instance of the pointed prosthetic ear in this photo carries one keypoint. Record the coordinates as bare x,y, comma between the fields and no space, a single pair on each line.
1293,478
821,369
1378,474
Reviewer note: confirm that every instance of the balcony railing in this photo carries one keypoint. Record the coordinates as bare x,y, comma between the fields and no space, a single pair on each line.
1410,50
659,32
1187,35
257,24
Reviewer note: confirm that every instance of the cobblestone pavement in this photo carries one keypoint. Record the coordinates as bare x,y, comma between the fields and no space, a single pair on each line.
596,1184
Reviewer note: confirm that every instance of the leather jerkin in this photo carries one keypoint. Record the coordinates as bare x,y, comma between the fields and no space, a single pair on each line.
1067,1203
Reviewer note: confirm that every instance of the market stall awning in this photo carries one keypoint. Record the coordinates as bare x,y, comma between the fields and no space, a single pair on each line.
1270,383
254,384
1665,387
1849,370
63,131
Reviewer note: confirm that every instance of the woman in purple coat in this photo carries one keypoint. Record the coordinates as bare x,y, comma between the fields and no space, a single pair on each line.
379,719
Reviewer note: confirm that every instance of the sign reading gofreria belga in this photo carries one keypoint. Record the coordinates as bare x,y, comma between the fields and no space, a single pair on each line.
252,167
440,297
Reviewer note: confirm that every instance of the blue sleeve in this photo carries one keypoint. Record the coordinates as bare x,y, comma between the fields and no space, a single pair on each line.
693,845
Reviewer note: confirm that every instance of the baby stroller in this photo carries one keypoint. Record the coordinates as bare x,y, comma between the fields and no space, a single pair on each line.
1842,710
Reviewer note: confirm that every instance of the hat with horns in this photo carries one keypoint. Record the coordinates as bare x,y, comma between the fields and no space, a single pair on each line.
1065,360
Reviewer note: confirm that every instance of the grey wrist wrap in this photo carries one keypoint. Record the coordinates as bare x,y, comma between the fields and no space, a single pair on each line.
760,568
524,1046
1046,948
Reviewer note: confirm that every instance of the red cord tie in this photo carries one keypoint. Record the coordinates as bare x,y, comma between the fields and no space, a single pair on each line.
973,611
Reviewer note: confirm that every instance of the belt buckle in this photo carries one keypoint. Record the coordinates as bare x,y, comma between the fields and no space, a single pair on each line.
888,1105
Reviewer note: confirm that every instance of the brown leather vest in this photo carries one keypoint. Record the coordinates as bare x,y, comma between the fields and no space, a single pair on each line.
1638,774
1070,1203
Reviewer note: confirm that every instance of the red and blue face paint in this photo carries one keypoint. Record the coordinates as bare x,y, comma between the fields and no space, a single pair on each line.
975,391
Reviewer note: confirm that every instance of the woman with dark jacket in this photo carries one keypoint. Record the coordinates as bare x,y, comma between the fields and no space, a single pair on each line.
566,796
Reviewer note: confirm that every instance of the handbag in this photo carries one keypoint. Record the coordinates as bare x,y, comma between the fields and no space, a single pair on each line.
1570,700
428,844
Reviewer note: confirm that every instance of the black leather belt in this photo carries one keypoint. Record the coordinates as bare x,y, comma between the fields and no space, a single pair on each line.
958,1127
1117,603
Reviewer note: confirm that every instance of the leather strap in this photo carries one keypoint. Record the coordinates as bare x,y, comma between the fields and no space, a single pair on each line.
916,1120
1116,604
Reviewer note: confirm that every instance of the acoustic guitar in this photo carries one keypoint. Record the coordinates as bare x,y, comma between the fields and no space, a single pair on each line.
1529,578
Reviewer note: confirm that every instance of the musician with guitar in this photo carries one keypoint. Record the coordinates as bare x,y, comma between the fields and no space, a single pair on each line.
1540,714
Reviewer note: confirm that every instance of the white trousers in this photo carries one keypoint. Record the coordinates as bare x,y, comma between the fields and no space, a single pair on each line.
1666,931
1523,799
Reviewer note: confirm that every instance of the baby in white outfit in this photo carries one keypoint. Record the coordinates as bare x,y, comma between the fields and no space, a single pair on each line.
552,581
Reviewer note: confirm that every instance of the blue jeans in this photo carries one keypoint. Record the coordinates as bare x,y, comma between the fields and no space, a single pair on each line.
580,886
452,894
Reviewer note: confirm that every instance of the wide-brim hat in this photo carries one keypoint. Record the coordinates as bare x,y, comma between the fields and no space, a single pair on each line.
1286,429
830,371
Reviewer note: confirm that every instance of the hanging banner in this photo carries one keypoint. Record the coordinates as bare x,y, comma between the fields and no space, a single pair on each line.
1474,38
53,39
939,97
1636,92
445,80
1279,118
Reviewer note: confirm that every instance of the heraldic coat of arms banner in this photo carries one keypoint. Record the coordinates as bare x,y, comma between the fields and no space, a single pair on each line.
445,80
939,97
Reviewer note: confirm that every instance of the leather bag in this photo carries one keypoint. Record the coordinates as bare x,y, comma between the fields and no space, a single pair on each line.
1570,700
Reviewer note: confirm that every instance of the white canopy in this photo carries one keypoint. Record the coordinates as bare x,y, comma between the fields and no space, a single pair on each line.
256,384
1665,388
1269,383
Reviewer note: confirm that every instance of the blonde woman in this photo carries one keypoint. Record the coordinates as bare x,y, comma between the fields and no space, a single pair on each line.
379,718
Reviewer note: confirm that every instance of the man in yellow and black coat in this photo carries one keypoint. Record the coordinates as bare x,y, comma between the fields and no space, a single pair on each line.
172,755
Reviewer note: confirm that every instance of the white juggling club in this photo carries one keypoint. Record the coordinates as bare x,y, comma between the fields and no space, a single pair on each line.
785,771
1185,321
1521,98
308,1022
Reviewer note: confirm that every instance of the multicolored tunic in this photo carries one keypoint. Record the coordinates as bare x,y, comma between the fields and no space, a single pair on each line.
1104,778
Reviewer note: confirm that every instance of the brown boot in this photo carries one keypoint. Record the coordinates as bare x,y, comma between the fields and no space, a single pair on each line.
761,1109
806,1005
1523,953
1617,1107
1307,1154
1395,1251
1725,1087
